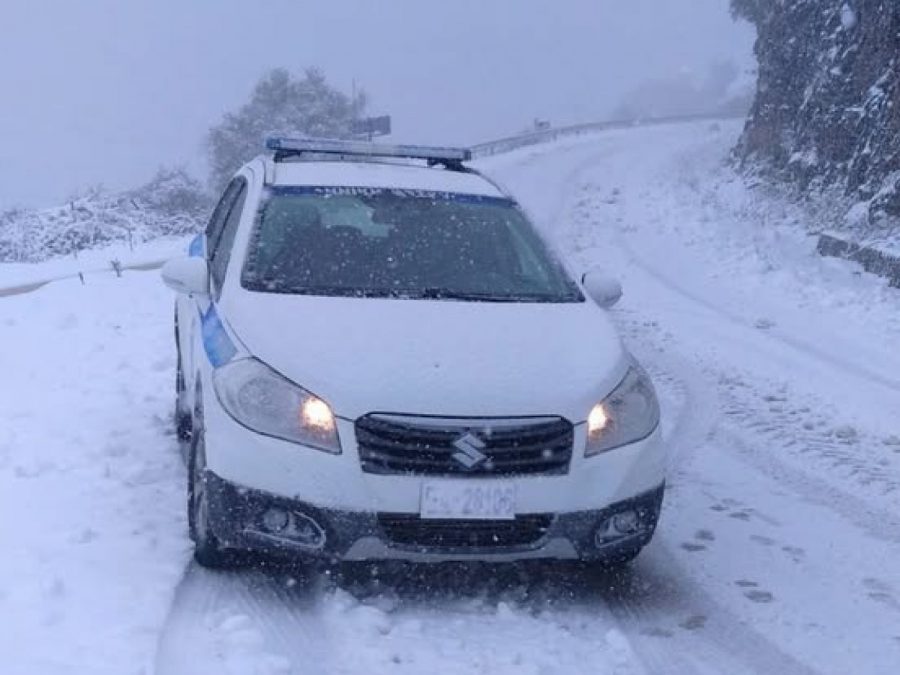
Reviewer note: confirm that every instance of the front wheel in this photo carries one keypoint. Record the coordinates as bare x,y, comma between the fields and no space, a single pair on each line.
208,551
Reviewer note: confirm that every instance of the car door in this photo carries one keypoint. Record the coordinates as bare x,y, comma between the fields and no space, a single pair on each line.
210,245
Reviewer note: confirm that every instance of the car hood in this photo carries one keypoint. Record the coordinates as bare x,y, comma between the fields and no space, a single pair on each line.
435,357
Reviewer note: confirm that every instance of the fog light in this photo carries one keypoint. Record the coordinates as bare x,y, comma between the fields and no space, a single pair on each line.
604,533
289,528
626,522
617,527
275,520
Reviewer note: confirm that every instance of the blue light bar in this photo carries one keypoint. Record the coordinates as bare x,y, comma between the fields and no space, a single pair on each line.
283,147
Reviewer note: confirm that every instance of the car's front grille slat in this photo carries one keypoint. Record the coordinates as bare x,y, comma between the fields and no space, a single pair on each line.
425,446
375,457
400,447
436,535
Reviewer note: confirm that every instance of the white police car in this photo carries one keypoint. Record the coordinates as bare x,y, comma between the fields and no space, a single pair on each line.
378,357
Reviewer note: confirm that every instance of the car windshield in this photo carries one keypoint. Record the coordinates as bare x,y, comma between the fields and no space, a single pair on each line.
373,242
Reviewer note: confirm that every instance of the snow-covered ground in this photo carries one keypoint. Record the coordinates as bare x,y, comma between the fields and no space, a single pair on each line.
778,547
91,487
19,277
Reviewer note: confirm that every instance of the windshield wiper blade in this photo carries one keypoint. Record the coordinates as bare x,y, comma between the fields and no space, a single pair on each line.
437,293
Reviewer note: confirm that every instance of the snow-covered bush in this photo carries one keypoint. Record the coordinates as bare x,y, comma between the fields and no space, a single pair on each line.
172,203
173,192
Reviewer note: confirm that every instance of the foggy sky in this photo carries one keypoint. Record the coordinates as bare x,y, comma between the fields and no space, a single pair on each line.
100,91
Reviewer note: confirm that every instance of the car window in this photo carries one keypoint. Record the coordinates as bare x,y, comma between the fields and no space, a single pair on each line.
221,254
220,213
380,242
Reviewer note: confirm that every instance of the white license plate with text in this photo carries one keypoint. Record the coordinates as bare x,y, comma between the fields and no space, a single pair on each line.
468,500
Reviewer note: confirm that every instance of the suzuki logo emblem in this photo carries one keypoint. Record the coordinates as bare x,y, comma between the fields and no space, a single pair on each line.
470,449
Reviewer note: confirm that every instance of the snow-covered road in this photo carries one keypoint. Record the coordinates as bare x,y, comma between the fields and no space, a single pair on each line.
779,545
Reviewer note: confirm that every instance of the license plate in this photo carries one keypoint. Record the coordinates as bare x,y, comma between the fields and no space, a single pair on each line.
468,500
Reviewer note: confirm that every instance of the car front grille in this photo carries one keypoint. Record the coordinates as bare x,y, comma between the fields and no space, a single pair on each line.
413,531
430,446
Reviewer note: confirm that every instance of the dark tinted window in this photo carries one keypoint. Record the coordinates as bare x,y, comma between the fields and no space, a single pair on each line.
222,252
220,213
380,242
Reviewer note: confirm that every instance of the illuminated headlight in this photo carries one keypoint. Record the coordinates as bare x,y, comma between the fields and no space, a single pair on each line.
264,401
629,414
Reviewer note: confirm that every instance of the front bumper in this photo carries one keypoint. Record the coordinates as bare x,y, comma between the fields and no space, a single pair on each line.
339,483
237,519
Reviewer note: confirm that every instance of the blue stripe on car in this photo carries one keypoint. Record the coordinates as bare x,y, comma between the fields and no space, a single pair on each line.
219,347
195,248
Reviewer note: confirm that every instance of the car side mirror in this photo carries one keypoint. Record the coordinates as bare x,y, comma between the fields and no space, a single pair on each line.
602,288
187,275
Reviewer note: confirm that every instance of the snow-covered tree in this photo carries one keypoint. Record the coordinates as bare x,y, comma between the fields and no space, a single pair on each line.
173,192
281,104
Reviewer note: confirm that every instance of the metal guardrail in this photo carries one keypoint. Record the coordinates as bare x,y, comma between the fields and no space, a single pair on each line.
511,143
114,268
871,259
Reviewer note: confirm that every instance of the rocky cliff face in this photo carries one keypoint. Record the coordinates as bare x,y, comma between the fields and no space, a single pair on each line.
827,108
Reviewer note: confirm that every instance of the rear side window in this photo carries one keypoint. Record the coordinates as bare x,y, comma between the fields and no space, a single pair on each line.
221,254
217,221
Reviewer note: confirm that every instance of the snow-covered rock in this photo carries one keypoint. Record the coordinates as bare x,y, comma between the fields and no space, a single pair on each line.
829,88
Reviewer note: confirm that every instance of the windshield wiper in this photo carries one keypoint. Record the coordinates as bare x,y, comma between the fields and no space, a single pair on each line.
428,293
438,293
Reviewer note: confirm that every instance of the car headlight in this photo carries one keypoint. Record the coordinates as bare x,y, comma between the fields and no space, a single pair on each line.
629,414
262,400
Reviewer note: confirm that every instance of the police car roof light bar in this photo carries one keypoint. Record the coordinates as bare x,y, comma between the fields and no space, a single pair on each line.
285,148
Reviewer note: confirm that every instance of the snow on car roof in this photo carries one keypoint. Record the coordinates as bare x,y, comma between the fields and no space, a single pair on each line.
382,174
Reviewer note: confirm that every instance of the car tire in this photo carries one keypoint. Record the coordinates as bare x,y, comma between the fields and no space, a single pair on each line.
208,550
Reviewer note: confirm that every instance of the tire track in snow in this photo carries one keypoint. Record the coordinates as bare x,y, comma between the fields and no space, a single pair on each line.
367,618
802,350
723,642
657,589
878,521
722,627
711,412
222,621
